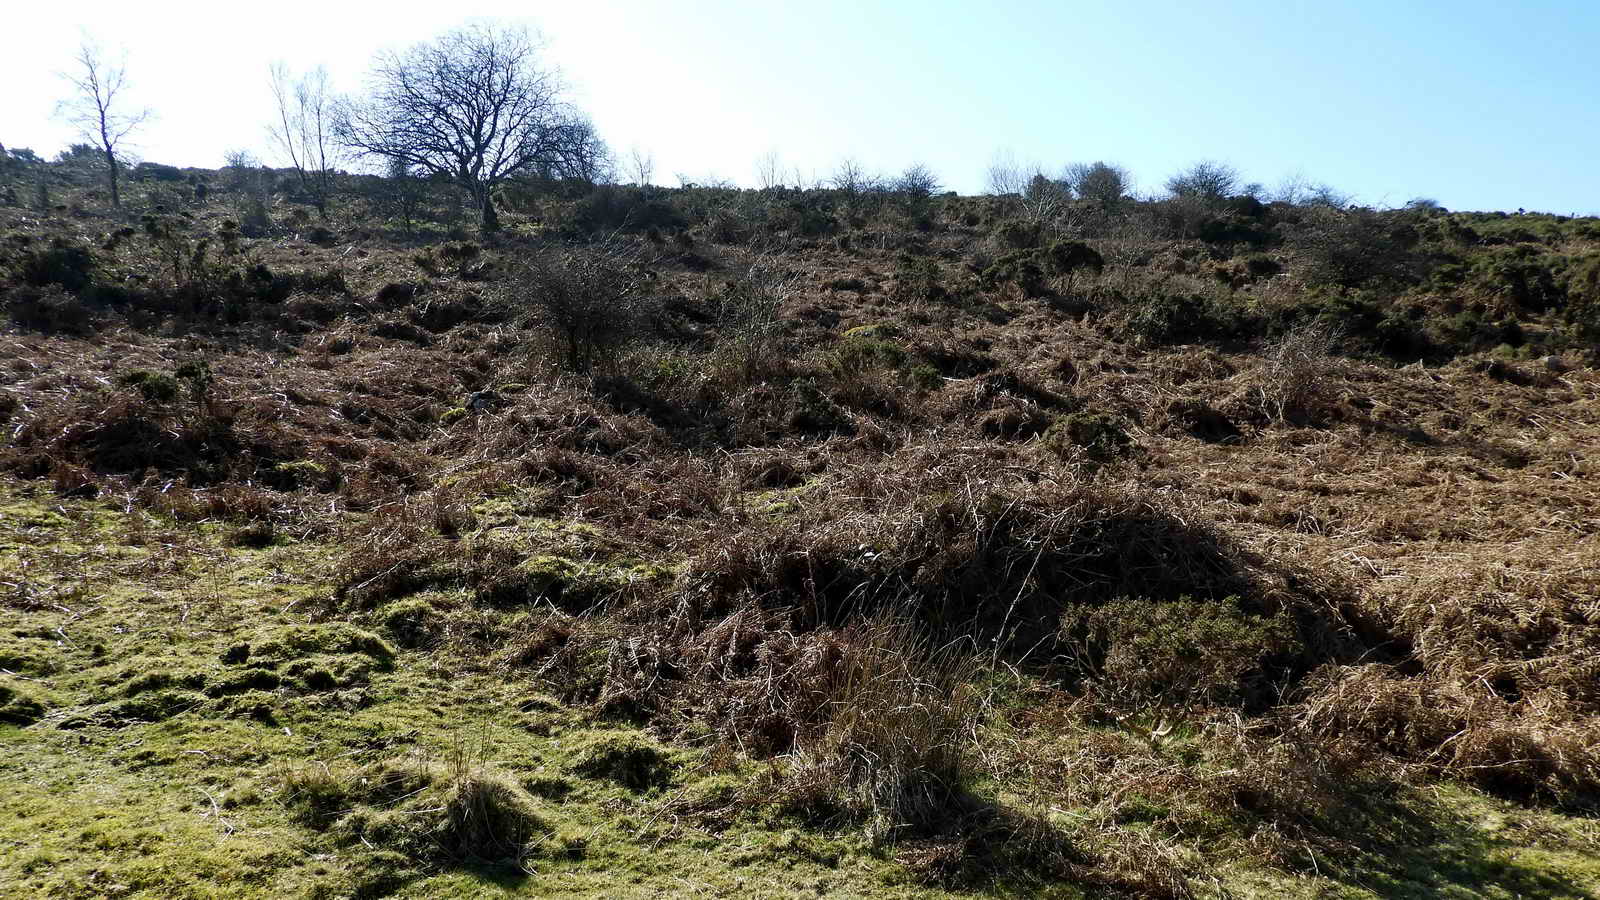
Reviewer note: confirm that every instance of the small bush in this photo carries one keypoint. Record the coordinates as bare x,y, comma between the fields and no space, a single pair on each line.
1352,248
51,310
919,280
154,387
149,171
1099,436
1180,653
1260,265
1022,268
610,208
1521,274
1177,319
1583,297
859,353
1070,257
1293,384
746,314
590,302
69,266
1016,234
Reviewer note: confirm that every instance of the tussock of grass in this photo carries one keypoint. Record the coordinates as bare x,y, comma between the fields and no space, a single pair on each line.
891,742
432,813
20,705
488,817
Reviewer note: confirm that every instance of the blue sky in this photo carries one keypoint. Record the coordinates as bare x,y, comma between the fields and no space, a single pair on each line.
1480,105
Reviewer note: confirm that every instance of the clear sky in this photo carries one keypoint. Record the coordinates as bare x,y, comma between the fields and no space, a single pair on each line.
1477,104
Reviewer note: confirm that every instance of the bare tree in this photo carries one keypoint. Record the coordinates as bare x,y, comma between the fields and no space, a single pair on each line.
1042,198
1005,175
97,107
769,171
1208,180
1299,190
917,182
583,156
853,178
474,106
250,187
304,130
641,166
1045,198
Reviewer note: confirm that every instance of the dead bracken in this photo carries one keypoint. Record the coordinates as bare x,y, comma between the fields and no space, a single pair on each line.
880,542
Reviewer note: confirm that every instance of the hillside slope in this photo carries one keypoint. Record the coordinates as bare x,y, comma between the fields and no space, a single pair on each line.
707,541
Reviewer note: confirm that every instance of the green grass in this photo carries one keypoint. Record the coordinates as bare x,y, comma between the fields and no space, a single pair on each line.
157,771
169,761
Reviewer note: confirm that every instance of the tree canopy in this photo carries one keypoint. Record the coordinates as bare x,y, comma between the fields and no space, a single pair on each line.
474,105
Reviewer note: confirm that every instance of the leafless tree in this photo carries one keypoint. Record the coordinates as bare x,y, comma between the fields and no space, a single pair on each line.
475,106
917,182
304,130
1208,181
583,156
769,171
1006,175
641,166
853,178
97,107
1045,198
1299,190
1042,198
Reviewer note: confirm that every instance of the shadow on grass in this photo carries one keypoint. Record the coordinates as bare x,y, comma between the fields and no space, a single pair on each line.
1412,844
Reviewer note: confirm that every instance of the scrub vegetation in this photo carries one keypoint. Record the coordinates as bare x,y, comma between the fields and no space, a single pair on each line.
862,539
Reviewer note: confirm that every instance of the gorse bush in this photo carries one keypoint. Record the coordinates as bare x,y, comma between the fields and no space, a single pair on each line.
50,309
1178,319
67,265
1177,654
154,387
1583,297
1101,438
1070,257
1023,269
613,208
1018,234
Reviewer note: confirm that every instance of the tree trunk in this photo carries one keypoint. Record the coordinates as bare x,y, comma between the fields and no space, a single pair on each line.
491,219
111,171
